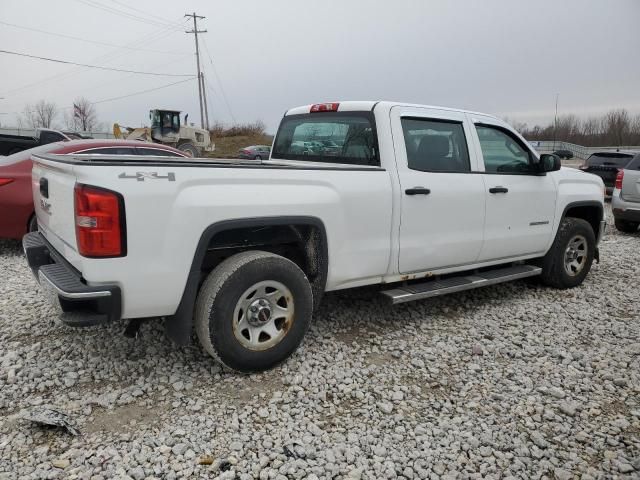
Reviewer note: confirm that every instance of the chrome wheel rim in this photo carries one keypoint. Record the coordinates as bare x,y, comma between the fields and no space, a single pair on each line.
263,315
575,255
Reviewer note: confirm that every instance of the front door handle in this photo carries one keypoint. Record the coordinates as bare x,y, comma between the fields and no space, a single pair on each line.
417,191
498,190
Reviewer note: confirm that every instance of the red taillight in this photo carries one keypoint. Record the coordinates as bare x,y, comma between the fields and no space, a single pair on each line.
99,222
619,178
5,181
324,107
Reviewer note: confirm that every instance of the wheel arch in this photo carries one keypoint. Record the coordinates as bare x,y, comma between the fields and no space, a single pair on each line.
308,231
590,210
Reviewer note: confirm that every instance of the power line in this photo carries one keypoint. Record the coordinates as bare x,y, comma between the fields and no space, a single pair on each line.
125,96
95,66
130,16
62,35
142,11
142,91
215,72
148,37
215,93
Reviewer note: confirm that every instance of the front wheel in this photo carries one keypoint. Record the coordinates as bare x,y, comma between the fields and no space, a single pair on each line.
626,226
253,310
569,260
190,149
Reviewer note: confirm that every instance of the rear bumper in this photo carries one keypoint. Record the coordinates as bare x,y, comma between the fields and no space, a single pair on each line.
624,210
80,305
629,214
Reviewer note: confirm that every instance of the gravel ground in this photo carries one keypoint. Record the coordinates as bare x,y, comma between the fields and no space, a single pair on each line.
512,381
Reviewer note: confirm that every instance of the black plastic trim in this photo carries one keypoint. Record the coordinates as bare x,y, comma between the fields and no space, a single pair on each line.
60,273
585,203
179,325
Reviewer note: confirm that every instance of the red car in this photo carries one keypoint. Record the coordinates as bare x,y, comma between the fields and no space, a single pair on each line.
16,199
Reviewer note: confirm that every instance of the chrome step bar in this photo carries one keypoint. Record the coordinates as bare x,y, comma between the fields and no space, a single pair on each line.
435,288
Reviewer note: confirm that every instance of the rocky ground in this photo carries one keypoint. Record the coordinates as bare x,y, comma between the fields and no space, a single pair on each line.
513,381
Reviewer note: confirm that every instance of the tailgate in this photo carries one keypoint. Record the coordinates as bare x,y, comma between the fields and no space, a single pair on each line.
53,186
606,172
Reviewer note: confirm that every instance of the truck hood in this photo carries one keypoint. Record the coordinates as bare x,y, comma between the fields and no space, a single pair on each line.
573,175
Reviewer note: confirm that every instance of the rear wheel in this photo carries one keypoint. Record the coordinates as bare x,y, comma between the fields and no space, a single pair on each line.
190,149
253,310
569,260
626,226
257,157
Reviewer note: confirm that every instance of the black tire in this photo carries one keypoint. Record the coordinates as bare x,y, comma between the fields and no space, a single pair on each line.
33,224
221,294
190,149
554,272
257,157
626,226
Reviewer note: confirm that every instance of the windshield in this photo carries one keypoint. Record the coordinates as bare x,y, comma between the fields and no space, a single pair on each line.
613,159
340,137
26,154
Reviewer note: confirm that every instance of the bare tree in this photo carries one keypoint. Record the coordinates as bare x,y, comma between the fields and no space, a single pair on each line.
635,130
40,115
616,126
84,116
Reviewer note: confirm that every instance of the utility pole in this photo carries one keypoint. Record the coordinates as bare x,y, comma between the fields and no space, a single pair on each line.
195,31
204,98
555,123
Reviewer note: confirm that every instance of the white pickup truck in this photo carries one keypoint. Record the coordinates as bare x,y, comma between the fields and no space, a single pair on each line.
424,200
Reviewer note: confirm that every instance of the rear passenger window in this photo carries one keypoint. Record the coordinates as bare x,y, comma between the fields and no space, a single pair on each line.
435,145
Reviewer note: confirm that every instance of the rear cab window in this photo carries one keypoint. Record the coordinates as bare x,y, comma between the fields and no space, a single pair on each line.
331,137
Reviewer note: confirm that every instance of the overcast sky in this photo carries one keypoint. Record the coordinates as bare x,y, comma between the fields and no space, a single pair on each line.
504,57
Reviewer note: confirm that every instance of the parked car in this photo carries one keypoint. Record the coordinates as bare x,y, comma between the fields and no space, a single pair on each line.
422,201
255,152
16,198
606,165
564,154
625,200
10,144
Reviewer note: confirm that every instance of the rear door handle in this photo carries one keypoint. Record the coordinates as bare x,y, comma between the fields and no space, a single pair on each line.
498,190
417,191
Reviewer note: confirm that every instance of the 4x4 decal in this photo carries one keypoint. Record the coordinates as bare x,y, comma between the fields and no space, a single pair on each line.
141,176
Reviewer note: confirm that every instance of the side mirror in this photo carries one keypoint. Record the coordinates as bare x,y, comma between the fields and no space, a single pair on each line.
549,162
